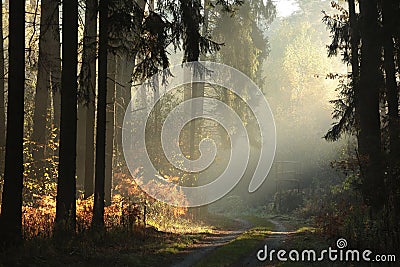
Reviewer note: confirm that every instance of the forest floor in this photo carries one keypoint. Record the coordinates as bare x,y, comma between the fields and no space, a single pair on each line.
227,242
239,247
236,247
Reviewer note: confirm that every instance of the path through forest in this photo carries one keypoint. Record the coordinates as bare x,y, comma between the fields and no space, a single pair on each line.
274,240
222,237
211,242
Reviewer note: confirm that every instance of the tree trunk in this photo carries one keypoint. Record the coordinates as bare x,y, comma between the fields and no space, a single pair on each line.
369,132
98,208
2,102
48,8
123,92
355,67
11,208
66,189
86,108
191,44
55,73
111,84
122,99
390,78
90,112
392,90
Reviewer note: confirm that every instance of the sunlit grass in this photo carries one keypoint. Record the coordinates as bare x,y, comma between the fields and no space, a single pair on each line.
306,229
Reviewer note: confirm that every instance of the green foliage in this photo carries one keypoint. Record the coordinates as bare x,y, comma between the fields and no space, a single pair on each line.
288,201
343,114
245,29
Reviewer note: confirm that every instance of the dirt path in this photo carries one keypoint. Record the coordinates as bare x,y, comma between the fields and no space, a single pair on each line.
212,242
274,240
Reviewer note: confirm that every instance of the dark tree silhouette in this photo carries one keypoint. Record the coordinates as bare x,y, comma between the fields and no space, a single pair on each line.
46,77
98,208
2,103
66,189
389,30
11,209
369,137
86,107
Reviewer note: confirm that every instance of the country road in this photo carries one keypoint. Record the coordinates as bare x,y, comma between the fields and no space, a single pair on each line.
221,238
210,243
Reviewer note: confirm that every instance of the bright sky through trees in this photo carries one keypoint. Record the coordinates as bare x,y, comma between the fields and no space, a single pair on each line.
286,7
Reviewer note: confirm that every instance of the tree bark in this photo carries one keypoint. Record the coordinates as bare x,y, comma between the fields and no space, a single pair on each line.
191,43
111,84
98,208
55,73
355,64
11,209
66,189
86,109
2,102
369,137
39,134
390,78
122,99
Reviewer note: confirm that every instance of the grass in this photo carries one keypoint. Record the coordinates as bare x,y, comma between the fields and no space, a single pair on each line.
118,247
258,221
115,248
306,238
236,249
216,221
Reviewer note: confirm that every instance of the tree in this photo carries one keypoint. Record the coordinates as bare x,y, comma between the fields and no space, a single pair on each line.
126,56
2,103
369,137
55,71
392,90
111,84
98,208
66,188
11,209
86,105
358,109
47,77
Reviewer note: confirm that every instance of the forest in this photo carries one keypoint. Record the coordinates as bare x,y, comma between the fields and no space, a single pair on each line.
200,133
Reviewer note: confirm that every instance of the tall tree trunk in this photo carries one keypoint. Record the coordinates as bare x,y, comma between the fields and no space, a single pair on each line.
389,24
47,59
111,84
11,208
122,99
90,112
81,146
98,208
2,102
355,64
370,134
55,72
191,43
86,108
190,16
119,106
392,90
199,92
124,78
66,188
